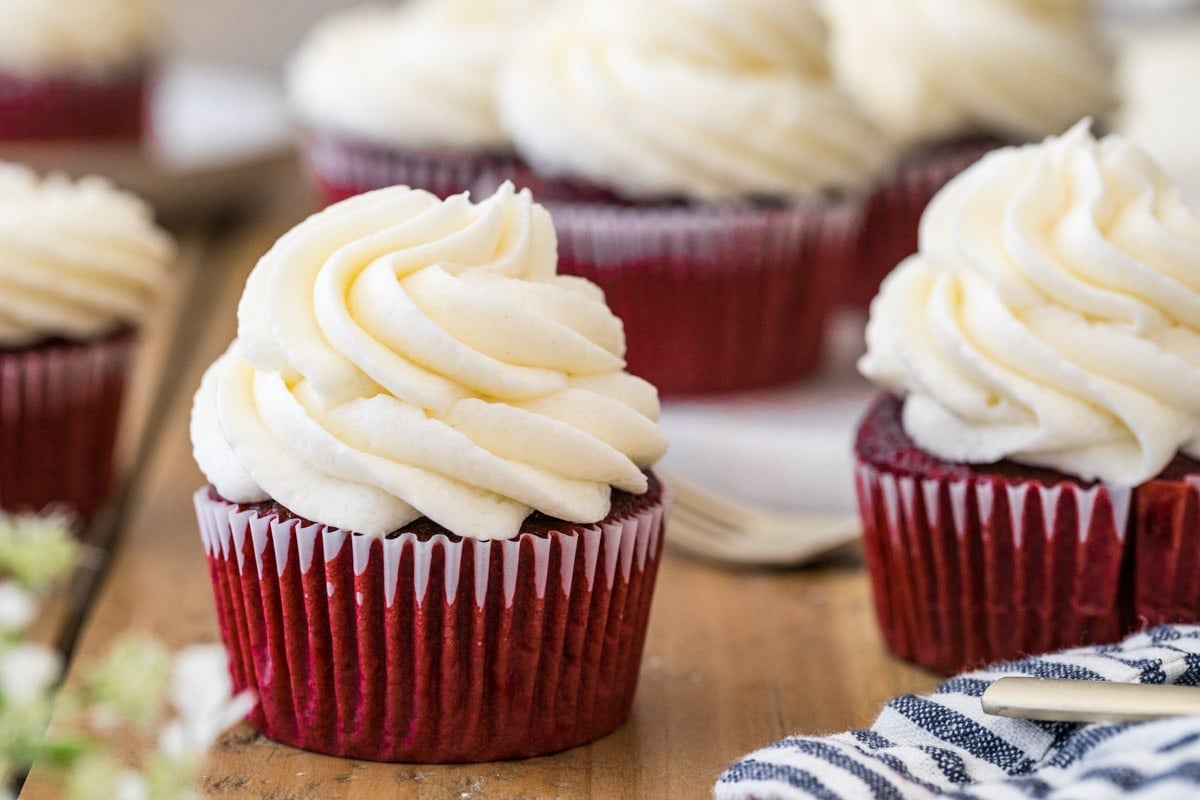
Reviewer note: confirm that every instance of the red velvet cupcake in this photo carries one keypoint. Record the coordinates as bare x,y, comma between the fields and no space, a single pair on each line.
726,167
432,532
76,70
403,96
949,82
83,264
1036,487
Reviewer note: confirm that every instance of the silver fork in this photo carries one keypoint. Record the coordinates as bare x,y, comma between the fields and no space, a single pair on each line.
716,527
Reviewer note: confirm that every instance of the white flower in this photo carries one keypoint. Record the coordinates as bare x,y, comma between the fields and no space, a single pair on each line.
202,696
16,607
131,786
26,672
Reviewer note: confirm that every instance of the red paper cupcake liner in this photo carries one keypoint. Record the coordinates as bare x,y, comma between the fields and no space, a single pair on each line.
893,215
60,405
342,167
106,108
432,649
971,571
1166,563
713,298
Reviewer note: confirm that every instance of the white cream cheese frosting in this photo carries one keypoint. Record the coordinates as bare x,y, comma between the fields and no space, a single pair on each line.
419,75
399,356
1052,315
932,69
55,37
77,259
693,98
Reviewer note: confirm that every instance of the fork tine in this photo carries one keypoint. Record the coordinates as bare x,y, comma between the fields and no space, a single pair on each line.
726,530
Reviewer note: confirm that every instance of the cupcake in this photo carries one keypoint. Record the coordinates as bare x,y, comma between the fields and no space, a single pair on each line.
705,170
80,265
431,526
1030,483
76,69
950,80
403,95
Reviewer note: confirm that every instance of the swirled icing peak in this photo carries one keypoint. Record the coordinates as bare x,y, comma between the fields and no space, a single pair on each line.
77,259
932,69
1052,315
39,37
693,98
418,75
399,356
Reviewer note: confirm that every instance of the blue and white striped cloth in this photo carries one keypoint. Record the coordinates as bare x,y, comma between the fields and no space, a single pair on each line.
943,746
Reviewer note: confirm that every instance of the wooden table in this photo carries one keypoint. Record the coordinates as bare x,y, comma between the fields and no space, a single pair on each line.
734,659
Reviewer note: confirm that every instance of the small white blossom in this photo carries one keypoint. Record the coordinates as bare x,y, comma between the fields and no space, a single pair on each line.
202,696
27,672
131,786
17,607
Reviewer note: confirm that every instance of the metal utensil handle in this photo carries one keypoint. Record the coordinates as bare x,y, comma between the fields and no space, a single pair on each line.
1088,701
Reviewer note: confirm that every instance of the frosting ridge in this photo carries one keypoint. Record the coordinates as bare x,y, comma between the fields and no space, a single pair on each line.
1052,315
399,356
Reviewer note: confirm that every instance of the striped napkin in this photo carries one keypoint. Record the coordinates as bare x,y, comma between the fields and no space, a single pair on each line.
943,746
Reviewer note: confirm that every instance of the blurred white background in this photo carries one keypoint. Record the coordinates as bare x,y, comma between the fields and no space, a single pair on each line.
257,34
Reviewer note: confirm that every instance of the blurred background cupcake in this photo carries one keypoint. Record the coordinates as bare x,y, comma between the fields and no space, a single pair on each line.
76,69
1033,483
700,168
80,265
403,95
951,79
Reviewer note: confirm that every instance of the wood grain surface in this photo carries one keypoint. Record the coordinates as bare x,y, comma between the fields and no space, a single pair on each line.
734,659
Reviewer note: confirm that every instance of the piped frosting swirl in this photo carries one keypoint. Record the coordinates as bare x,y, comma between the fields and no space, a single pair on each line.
1052,315
419,75
70,37
701,100
77,259
399,356
933,69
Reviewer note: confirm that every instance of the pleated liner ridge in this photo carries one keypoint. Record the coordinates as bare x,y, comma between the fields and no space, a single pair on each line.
60,406
972,571
975,570
434,650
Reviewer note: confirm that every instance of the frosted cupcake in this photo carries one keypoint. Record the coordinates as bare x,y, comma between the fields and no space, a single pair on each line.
1032,485
950,80
705,171
80,265
403,95
76,69
431,527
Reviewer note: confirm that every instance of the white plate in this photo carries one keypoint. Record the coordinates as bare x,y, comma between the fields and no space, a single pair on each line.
217,135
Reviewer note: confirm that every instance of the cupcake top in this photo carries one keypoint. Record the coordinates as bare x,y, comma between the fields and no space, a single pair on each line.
77,259
400,356
685,98
1052,315
56,37
419,75
934,69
